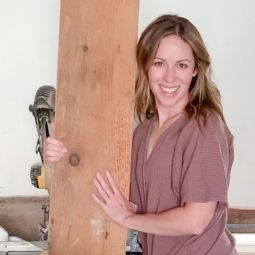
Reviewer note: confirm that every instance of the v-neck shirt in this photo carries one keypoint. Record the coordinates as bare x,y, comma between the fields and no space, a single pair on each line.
160,136
190,162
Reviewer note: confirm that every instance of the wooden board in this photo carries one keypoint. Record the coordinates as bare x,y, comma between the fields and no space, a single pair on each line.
241,215
94,115
241,220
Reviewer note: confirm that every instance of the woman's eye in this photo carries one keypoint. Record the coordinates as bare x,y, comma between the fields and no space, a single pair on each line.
182,65
158,63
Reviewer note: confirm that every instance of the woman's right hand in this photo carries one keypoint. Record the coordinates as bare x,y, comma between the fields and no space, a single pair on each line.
53,150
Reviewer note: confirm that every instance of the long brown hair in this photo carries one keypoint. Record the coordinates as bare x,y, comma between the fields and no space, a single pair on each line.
204,95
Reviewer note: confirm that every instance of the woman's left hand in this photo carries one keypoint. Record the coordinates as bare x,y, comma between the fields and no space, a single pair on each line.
112,201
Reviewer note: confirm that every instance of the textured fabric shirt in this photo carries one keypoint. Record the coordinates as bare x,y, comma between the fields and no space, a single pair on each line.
190,162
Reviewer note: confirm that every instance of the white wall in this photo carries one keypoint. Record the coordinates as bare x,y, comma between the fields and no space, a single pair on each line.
227,27
28,59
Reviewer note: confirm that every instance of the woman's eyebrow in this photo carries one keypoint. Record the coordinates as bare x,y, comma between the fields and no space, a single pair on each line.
181,60
184,60
160,58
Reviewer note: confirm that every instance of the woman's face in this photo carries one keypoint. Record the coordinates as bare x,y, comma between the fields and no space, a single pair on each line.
171,73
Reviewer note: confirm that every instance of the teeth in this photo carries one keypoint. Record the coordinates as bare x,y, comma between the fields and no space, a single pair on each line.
169,90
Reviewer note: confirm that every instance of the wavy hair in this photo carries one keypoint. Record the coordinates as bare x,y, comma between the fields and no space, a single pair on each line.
204,95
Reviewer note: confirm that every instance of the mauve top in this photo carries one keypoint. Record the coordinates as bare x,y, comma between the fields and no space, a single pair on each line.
190,162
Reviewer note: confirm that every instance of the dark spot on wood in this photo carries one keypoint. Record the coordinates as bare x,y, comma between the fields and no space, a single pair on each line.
85,48
74,159
106,235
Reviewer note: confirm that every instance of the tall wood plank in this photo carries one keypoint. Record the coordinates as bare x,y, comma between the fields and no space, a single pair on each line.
94,115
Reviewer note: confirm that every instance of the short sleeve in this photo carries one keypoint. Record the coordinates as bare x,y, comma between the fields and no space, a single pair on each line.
206,164
134,193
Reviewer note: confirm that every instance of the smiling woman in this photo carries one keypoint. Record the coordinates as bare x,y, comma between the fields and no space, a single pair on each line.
225,26
182,151
170,76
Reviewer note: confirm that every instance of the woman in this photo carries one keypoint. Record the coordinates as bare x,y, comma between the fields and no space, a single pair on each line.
182,150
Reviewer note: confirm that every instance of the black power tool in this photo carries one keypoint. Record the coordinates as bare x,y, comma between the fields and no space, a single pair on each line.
43,110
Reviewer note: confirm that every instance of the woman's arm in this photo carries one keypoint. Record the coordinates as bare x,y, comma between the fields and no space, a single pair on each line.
192,218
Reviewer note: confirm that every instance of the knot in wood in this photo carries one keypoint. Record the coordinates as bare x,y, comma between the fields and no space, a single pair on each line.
85,48
74,159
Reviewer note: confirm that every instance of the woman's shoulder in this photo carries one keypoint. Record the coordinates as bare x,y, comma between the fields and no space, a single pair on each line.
141,128
209,125
205,133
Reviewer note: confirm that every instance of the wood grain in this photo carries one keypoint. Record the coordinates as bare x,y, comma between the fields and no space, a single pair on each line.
94,115
241,216
241,220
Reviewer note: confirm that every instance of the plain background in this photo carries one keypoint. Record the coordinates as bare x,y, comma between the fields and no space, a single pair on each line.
28,60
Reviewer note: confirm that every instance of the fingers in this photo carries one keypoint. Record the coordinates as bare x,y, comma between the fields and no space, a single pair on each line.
133,206
53,150
101,190
97,200
55,142
104,185
112,183
111,200
108,189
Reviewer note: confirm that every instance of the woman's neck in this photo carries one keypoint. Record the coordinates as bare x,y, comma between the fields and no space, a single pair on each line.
165,119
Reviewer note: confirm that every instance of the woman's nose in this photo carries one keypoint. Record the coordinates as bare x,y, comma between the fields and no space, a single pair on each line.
169,74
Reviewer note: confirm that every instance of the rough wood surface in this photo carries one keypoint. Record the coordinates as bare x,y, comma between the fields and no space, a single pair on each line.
241,216
241,220
21,216
94,115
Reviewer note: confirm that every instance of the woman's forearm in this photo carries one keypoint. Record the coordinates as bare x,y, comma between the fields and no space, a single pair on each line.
188,220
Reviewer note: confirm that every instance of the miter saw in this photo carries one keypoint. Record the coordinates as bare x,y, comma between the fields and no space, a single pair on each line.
43,110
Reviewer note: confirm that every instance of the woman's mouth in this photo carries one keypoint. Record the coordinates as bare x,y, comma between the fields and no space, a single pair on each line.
169,90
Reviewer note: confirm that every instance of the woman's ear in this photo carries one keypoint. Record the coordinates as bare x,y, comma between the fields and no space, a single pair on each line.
194,73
